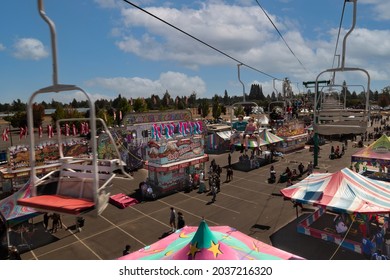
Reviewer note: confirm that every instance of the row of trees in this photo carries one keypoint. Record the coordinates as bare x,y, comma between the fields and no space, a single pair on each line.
110,110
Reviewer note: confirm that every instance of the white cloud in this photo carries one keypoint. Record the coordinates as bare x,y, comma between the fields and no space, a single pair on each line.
232,29
244,33
29,48
177,84
379,7
2,47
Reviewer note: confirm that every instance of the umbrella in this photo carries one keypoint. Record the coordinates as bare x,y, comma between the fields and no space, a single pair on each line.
270,137
209,243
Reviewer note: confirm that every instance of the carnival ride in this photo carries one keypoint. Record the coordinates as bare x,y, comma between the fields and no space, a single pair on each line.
330,117
240,138
81,184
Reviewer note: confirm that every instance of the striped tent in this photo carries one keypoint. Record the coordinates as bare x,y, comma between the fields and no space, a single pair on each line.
343,191
269,137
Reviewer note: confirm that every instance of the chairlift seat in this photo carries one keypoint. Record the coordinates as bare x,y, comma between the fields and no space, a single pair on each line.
58,203
75,193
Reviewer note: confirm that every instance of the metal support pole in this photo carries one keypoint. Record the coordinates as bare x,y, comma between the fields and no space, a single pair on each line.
239,78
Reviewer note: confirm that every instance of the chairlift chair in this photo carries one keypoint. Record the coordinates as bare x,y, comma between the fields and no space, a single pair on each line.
80,186
329,117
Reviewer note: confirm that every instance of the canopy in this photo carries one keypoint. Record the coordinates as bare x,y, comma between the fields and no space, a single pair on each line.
225,135
209,243
269,137
343,191
11,212
377,153
263,120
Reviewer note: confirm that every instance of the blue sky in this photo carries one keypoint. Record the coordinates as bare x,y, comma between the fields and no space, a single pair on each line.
108,47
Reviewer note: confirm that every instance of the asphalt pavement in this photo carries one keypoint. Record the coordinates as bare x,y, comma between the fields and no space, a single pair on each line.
248,203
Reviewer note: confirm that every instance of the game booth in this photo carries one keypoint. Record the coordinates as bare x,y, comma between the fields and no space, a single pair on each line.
294,137
350,207
16,173
172,147
218,138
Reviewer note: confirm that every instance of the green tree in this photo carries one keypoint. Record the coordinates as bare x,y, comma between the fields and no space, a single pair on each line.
38,114
225,98
204,108
216,108
140,105
18,106
239,111
192,103
166,100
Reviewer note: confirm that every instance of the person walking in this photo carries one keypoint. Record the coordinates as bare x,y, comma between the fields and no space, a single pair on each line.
56,222
180,220
310,168
46,219
272,175
229,174
126,251
172,219
214,191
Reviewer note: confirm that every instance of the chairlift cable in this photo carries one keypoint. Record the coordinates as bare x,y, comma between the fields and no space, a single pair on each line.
281,36
338,34
199,40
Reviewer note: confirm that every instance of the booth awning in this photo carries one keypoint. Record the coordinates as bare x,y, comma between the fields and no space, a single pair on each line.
176,165
225,135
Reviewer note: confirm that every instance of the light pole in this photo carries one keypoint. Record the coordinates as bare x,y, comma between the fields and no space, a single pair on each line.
243,86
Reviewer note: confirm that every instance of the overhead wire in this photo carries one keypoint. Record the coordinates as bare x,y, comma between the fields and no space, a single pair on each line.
200,41
281,36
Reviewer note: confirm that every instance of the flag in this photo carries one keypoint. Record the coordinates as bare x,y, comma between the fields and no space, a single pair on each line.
114,115
5,134
120,115
82,128
67,130
40,131
74,130
22,133
86,128
50,132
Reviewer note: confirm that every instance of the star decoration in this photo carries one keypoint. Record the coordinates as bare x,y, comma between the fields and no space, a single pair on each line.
214,248
183,235
255,247
169,253
193,250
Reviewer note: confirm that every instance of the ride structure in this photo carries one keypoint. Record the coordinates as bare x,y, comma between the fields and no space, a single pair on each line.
81,184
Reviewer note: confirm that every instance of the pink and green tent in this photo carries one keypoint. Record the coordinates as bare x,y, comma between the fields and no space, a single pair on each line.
209,243
378,153
269,137
11,213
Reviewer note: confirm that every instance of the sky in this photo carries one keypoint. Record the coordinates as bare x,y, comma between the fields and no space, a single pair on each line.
109,47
